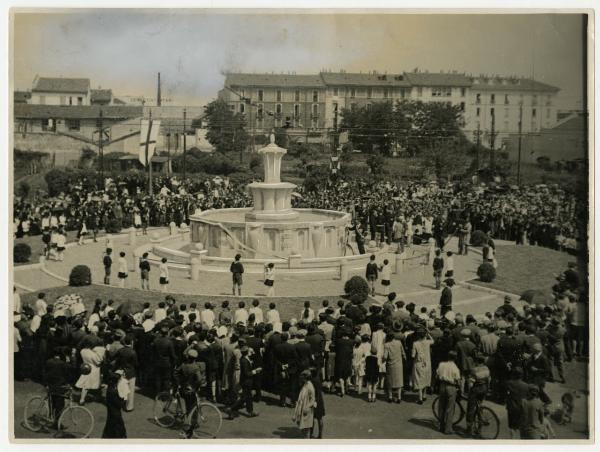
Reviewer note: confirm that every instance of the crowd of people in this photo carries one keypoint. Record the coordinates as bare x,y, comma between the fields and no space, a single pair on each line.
239,355
541,215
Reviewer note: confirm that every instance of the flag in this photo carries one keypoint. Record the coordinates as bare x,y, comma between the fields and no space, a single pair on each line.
154,127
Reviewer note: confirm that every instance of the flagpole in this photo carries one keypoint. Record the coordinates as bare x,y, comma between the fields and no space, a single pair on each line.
149,162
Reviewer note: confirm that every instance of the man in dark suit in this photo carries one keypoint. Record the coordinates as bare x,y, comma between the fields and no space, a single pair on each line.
257,345
126,359
164,359
537,371
446,297
316,340
285,357
304,355
247,373
57,377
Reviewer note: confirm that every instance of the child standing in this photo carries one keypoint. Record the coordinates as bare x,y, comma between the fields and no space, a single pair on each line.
372,373
163,277
123,270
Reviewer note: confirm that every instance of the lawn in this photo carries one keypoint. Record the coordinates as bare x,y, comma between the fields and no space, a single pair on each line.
37,246
527,267
289,307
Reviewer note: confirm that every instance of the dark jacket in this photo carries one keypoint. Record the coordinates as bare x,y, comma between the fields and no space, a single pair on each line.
164,352
126,359
285,354
303,355
446,297
246,372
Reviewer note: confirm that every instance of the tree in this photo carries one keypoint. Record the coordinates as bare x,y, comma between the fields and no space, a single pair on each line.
87,157
376,163
225,129
371,127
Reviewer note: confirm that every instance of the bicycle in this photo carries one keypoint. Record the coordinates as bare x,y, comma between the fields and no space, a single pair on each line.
204,420
486,424
75,421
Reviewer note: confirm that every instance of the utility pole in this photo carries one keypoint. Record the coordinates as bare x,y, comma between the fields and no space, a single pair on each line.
184,143
492,140
478,147
336,137
148,160
158,99
101,144
520,139
169,151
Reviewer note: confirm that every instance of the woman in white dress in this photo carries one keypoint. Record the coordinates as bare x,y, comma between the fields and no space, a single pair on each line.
270,279
385,273
91,380
163,275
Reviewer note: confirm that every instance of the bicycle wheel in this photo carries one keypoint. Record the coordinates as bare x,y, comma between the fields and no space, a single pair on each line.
165,409
75,422
207,420
459,411
37,413
487,424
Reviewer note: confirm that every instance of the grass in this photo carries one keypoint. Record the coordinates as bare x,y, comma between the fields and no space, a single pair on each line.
527,267
288,307
37,246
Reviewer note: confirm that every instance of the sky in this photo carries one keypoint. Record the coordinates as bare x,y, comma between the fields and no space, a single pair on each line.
124,49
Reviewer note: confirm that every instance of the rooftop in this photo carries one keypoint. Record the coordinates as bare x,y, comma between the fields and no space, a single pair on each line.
360,79
100,95
61,85
437,79
29,111
290,80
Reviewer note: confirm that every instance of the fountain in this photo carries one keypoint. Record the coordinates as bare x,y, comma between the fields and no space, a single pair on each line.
272,228
310,243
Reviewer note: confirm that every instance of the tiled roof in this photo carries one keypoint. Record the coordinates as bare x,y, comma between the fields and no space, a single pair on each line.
359,79
29,111
118,101
62,85
511,84
285,80
99,95
437,79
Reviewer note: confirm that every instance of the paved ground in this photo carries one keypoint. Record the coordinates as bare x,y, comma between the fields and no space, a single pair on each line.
414,284
348,417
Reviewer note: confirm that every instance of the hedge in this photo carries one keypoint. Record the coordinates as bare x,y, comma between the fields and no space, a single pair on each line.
478,238
21,253
80,276
357,289
486,272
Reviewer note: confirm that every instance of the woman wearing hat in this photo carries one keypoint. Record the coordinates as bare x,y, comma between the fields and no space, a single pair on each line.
421,356
393,356
305,405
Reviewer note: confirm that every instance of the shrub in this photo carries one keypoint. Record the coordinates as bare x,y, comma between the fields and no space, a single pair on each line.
486,272
80,276
21,253
478,238
114,225
357,289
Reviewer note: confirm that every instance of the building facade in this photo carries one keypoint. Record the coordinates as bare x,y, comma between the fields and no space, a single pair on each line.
315,102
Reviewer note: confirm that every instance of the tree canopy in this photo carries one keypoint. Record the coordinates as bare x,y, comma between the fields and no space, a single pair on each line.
225,129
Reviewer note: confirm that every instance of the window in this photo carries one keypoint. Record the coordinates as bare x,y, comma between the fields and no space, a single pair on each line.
492,99
260,110
243,93
315,96
278,109
419,91
70,100
42,100
352,93
335,92
533,113
463,92
506,112
478,98
441,91
315,110
506,99
296,110
385,93
462,106
48,125
478,112
297,95
260,94
73,124
278,95
335,106
242,108
369,93
80,101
